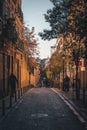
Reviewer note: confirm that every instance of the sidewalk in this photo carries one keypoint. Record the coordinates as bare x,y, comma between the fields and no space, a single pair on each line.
8,102
77,104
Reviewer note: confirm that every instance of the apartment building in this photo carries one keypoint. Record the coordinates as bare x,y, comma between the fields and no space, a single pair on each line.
12,57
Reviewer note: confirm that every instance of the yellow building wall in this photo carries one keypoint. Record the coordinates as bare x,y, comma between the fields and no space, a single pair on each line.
32,79
24,74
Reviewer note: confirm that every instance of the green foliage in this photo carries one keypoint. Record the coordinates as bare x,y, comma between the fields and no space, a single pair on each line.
66,16
57,19
30,42
9,30
56,63
77,17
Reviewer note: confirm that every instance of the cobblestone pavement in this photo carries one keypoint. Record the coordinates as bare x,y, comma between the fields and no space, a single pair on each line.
77,104
43,109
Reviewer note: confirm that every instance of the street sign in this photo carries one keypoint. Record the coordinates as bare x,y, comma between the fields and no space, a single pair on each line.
81,62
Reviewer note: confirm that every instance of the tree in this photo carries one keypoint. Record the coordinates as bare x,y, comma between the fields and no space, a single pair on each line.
55,67
30,48
57,19
30,42
9,31
77,18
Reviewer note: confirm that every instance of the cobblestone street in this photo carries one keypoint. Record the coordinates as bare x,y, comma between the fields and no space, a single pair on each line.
42,109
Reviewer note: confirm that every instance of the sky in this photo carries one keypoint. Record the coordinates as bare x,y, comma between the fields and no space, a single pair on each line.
33,11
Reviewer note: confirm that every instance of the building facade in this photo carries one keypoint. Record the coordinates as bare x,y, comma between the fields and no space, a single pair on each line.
12,57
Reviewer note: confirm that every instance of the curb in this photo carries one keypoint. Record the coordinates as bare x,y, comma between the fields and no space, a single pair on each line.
83,114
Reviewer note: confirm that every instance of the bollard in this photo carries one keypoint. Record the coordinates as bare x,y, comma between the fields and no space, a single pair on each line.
83,95
10,101
3,107
15,96
18,93
21,91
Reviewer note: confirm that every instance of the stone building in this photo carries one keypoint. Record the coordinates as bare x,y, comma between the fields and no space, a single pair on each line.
12,57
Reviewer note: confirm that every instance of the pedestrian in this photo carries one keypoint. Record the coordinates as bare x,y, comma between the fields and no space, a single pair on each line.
67,83
12,83
63,85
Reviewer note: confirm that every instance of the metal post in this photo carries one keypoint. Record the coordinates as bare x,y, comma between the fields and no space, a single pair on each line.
84,95
3,101
21,91
3,107
83,83
77,87
73,85
3,74
10,100
63,76
15,96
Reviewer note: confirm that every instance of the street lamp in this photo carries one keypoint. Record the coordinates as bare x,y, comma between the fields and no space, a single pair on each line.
63,57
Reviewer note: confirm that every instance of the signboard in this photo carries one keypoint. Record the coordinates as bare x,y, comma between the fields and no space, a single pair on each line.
82,68
82,63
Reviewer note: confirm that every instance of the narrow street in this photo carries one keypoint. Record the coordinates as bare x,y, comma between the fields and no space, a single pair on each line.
41,109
